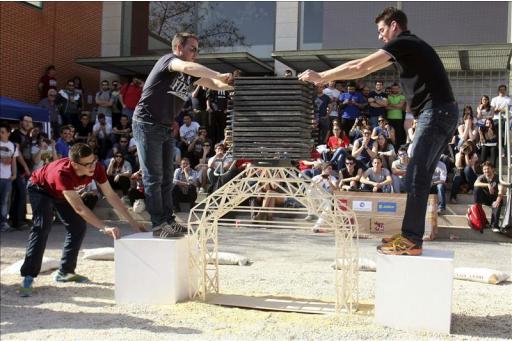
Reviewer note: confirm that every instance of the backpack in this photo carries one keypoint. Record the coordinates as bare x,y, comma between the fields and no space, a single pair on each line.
476,218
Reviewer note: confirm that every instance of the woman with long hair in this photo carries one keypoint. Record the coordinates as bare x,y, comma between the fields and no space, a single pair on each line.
385,149
489,141
483,110
467,129
466,166
119,172
336,145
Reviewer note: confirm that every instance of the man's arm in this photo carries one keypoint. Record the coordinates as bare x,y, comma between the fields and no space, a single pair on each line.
357,68
198,70
117,204
74,199
213,84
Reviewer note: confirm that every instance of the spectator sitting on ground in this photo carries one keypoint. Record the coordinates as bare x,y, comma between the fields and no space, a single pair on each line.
385,149
488,191
102,130
64,142
195,148
89,195
468,130
185,185
359,126
92,142
337,145
119,172
123,128
202,167
311,167
385,129
484,110
466,165
328,183
136,191
188,132
439,186
399,170
43,152
363,149
350,176
220,168
267,202
84,129
489,141
376,178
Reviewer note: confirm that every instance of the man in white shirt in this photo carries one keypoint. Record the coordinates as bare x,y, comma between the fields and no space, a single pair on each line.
500,102
8,155
439,186
331,91
188,132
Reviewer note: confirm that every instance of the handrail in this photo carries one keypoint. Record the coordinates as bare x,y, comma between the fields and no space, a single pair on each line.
504,178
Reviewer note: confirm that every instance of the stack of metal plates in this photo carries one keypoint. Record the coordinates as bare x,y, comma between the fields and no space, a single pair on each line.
272,118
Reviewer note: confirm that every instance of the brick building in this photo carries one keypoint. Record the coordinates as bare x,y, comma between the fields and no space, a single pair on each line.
35,36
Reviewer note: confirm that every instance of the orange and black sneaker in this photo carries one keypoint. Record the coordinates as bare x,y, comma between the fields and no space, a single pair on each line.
400,247
387,240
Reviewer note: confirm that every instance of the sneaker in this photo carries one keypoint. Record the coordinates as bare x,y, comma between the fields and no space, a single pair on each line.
441,211
496,229
387,240
62,277
400,247
170,230
26,286
311,217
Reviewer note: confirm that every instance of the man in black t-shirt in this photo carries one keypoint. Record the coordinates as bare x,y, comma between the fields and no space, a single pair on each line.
377,102
165,91
488,191
429,95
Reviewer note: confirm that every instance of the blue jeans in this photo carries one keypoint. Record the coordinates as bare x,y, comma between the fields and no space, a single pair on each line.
468,176
440,189
5,191
434,129
155,148
42,211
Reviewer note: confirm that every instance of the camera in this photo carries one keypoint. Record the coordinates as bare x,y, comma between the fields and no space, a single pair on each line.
325,176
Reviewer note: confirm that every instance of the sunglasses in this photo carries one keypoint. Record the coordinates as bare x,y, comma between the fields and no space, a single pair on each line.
402,154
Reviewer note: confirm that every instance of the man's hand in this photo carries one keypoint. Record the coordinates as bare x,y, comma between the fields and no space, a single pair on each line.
311,77
496,203
139,228
113,232
491,188
226,78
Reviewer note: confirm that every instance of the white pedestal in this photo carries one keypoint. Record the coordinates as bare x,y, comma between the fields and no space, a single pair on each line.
415,292
151,270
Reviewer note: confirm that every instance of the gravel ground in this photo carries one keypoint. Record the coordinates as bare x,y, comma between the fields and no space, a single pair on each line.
285,263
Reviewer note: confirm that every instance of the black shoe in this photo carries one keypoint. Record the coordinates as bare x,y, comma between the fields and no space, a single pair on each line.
170,230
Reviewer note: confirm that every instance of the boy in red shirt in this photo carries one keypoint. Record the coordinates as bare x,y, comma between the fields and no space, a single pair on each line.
56,186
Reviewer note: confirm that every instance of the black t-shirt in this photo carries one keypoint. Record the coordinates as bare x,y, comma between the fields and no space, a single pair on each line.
494,181
84,131
346,174
321,102
164,93
25,146
422,74
374,112
219,99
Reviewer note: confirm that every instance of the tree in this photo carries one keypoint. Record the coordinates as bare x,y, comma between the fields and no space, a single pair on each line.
166,18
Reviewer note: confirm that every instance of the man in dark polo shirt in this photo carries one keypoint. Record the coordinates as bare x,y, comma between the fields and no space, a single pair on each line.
165,91
429,94
56,185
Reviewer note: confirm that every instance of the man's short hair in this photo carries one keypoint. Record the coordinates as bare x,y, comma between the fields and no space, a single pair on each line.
22,117
187,114
84,114
220,145
70,81
402,149
101,115
502,86
78,151
390,14
326,165
63,128
5,125
395,84
105,81
181,38
350,158
487,164
379,81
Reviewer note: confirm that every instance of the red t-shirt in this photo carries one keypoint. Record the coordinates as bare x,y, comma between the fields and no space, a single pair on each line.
314,155
48,83
131,94
59,176
333,142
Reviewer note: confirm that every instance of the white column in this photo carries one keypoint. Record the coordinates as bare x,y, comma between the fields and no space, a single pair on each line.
287,30
111,33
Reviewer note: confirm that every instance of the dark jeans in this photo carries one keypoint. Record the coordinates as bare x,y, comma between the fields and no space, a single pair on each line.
468,176
42,211
337,158
398,125
482,196
489,153
18,201
434,129
218,124
155,148
122,183
179,196
346,124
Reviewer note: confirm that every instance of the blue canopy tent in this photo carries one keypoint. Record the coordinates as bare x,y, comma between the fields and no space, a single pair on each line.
11,109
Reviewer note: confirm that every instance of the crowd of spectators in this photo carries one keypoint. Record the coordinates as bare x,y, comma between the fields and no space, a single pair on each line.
364,143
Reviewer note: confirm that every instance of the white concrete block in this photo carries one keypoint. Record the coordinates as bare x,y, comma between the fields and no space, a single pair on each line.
151,270
415,292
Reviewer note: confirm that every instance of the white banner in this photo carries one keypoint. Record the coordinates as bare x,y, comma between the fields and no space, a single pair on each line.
362,206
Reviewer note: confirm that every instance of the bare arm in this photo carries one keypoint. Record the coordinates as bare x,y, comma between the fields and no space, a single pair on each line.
357,68
198,70
213,84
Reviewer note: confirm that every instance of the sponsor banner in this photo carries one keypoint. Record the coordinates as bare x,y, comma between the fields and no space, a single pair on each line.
383,206
343,204
362,206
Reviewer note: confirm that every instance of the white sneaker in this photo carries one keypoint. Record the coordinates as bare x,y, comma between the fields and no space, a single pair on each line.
310,217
